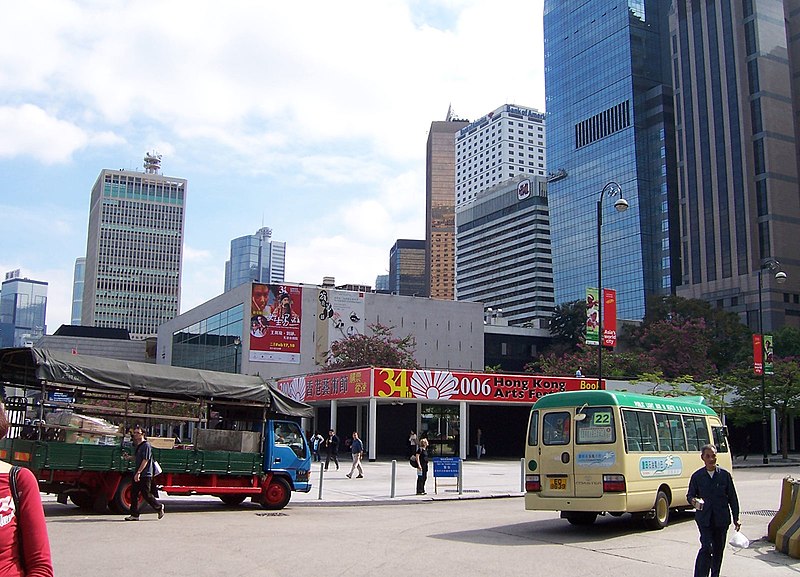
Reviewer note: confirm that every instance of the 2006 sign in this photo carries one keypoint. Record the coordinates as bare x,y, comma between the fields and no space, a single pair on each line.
475,386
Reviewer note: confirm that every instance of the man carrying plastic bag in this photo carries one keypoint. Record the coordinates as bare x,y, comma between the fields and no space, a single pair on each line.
713,495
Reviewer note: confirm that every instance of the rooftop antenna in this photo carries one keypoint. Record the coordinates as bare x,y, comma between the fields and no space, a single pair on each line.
152,162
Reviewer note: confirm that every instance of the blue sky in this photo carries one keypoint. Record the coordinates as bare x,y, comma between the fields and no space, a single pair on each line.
309,117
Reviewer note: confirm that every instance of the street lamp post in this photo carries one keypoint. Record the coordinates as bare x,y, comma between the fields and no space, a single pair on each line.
237,342
770,264
610,189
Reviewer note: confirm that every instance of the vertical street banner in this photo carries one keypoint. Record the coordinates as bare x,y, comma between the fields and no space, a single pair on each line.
758,355
592,317
340,314
768,366
275,315
609,327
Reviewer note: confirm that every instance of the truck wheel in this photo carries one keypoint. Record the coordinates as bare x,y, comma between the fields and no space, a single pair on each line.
277,495
121,502
82,499
581,518
661,517
232,500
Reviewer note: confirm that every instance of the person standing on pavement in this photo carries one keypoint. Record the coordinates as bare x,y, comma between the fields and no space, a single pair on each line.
143,475
356,448
412,443
316,443
422,466
713,495
332,449
479,450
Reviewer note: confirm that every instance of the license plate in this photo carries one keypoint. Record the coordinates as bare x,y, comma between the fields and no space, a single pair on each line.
558,484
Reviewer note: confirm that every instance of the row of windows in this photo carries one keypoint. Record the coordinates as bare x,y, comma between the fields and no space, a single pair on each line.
603,124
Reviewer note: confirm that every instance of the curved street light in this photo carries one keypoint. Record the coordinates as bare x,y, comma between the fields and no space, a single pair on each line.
610,189
770,264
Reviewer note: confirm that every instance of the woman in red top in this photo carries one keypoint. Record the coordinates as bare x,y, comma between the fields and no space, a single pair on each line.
32,559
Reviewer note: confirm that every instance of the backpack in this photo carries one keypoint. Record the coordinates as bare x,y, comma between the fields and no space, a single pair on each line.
413,461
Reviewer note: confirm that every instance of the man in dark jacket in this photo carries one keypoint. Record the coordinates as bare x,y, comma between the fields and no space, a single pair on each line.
332,449
713,495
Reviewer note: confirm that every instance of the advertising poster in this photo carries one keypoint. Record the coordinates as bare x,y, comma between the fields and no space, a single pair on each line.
275,323
768,366
592,317
340,314
758,355
609,318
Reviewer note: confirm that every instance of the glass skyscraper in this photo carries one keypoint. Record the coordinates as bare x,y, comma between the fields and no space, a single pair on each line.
610,118
23,308
407,268
255,258
77,290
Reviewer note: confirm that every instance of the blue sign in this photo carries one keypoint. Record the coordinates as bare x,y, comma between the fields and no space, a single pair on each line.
446,466
59,397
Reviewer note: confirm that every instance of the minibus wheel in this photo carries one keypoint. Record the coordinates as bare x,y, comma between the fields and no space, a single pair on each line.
660,513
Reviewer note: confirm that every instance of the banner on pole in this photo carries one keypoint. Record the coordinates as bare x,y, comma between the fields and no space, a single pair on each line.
758,354
768,367
592,317
609,327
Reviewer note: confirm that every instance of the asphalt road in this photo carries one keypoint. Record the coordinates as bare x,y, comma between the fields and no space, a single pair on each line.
492,536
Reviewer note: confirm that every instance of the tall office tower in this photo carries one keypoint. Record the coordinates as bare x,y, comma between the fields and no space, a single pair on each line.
257,258
23,309
407,268
503,251
737,81
134,250
506,142
77,290
440,207
610,118
382,283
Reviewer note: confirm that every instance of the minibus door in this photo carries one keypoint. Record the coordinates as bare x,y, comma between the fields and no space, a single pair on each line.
556,455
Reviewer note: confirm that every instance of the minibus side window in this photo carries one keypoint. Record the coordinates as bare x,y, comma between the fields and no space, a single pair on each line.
640,431
670,432
696,432
555,429
719,439
596,427
533,431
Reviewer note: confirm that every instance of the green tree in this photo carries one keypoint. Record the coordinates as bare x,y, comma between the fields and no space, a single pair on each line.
568,324
787,342
379,349
781,392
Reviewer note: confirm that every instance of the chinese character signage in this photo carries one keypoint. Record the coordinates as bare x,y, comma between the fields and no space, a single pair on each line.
275,323
328,386
592,317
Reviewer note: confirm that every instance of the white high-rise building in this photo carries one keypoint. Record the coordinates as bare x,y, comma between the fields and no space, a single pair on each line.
507,142
134,250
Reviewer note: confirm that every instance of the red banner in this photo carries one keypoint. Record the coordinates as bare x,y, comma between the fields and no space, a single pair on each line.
328,386
758,354
275,323
609,318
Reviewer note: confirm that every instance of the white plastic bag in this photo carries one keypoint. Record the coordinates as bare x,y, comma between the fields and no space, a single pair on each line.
739,541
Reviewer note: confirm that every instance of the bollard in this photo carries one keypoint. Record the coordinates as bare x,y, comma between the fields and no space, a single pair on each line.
394,477
522,475
789,527
460,476
785,509
321,470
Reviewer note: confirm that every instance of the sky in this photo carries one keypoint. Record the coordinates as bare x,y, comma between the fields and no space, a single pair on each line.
310,118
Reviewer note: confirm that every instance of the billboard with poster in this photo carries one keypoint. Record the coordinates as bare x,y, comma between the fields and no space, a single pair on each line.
340,314
275,315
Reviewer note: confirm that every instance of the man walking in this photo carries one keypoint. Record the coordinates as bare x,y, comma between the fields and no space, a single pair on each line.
143,475
713,495
332,449
356,448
